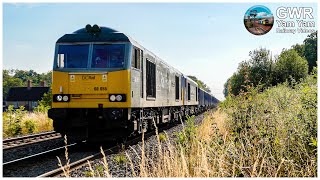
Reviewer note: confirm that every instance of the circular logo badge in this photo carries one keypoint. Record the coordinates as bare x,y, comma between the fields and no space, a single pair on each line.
258,20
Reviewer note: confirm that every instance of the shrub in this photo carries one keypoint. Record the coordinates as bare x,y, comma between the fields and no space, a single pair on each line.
19,121
12,121
290,65
185,137
30,126
120,158
281,121
162,137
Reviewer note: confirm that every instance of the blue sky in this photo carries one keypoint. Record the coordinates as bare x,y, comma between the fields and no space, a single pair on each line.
207,40
262,11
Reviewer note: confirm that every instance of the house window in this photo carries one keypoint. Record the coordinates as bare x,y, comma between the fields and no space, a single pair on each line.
136,58
151,79
177,88
189,97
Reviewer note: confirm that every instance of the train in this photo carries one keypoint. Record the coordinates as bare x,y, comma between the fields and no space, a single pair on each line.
265,22
106,86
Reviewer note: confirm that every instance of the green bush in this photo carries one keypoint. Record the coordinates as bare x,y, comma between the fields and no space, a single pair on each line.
188,133
12,121
30,126
162,137
282,121
18,121
290,66
120,158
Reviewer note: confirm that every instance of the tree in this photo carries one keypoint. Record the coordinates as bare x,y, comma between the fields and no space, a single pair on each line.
226,88
261,70
253,72
290,65
253,13
310,50
239,80
260,66
26,75
9,81
299,48
19,78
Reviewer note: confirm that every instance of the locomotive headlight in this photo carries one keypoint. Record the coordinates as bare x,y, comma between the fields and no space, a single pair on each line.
112,98
59,98
118,97
65,98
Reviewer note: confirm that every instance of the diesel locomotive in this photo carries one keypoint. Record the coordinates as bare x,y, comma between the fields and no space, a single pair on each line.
105,85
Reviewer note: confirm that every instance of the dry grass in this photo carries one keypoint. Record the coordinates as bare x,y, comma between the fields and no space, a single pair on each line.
19,122
214,152
41,121
66,168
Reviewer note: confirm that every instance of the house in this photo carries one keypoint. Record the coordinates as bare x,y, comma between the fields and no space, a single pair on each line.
26,96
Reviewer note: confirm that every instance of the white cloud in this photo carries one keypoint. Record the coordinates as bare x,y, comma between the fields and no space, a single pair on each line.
261,14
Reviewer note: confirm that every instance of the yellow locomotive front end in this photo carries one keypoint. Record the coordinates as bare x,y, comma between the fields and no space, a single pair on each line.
91,89
91,84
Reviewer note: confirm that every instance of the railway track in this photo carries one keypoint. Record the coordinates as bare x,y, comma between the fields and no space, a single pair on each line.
38,155
29,139
45,164
36,164
111,150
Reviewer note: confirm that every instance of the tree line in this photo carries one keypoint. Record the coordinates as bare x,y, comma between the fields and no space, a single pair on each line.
265,71
19,78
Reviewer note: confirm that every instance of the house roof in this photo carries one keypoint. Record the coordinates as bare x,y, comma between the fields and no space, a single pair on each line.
25,94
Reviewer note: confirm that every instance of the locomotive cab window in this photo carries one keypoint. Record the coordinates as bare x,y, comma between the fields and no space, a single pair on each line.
136,55
151,79
108,56
72,56
177,88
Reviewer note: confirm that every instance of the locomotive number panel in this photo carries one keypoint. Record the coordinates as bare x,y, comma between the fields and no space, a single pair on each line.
100,88
88,84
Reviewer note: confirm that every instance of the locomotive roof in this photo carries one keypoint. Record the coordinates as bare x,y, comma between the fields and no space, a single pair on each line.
105,34
103,30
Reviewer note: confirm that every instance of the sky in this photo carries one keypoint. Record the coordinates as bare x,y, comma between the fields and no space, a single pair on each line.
207,40
262,12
